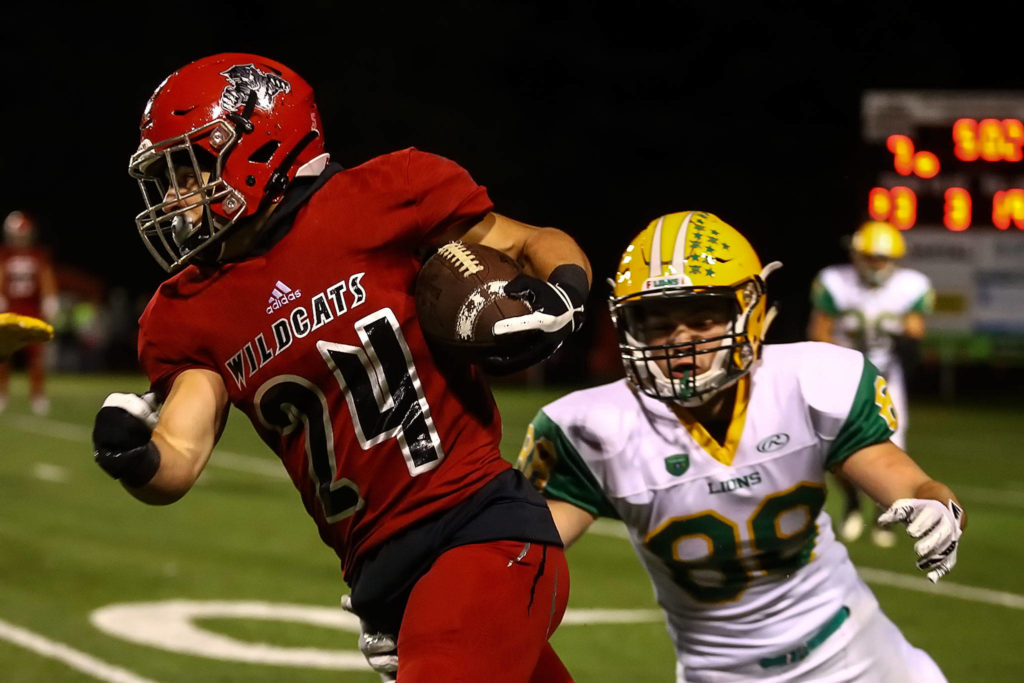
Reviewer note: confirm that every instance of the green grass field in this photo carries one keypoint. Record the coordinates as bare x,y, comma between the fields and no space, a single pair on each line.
72,542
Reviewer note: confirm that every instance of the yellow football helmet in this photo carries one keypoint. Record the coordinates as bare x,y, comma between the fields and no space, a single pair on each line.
690,260
874,249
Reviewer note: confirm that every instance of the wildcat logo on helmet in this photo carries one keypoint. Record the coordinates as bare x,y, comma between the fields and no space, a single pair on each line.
246,78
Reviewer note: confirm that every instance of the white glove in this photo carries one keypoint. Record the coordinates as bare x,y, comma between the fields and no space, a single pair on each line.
936,528
380,649
145,407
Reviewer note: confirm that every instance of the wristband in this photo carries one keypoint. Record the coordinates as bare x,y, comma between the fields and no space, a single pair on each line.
572,279
134,467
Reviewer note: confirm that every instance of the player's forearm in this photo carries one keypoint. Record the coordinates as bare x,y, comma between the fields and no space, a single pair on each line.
885,473
179,468
538,250
936,490
914,326
547,248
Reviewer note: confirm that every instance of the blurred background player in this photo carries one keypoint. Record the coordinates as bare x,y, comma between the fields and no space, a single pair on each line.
878,307
713,452
28,287
395,454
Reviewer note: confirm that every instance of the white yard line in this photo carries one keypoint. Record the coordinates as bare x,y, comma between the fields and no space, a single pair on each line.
80,661
69,431
943,587
265,467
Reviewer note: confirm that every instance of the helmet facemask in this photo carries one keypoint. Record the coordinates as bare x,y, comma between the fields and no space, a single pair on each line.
875,248
172,236
873,269
681,264
244,126
679,371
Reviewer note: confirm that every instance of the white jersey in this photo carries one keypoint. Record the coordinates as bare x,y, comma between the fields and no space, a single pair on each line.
734,536
864,313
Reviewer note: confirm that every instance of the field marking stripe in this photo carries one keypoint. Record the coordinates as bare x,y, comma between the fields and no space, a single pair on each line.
915,582
944,588
70,431
80,661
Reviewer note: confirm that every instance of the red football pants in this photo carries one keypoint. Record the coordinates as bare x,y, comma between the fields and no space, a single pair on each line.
484,612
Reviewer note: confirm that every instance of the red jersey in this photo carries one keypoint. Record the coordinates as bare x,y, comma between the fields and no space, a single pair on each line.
21,283
318,343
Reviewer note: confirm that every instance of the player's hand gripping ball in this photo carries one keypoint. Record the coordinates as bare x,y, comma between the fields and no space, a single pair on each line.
460,295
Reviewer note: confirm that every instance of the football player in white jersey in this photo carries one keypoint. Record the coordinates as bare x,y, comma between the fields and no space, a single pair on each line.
876,306
713,452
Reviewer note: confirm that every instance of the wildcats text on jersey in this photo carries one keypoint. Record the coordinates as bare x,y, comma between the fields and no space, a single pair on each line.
324,307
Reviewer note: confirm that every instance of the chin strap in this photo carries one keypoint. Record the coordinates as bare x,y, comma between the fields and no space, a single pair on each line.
278,182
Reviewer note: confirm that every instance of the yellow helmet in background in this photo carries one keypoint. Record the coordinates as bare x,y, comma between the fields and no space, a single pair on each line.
878,238
676,258
874,249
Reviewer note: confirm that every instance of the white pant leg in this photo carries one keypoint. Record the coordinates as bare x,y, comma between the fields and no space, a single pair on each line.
868,648
890,658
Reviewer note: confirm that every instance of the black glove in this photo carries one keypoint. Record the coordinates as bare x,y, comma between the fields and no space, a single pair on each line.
121,437
557,307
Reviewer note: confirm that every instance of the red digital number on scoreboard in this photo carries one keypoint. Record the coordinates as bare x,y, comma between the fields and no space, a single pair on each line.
898,205
985,140
988,139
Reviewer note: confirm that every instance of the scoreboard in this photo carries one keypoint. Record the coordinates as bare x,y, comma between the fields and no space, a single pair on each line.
947,168
946,158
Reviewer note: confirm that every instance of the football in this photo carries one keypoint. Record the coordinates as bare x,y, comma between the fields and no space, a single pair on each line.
460,295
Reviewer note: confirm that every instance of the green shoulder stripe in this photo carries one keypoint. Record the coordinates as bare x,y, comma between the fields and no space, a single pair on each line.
926,304
554,466
872,417
822,300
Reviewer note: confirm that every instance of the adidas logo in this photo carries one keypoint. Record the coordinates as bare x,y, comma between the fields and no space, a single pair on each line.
281,295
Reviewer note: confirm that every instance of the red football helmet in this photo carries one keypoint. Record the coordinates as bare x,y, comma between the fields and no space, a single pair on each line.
242,125
19,229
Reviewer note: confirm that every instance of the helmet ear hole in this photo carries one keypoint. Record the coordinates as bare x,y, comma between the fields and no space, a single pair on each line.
264,153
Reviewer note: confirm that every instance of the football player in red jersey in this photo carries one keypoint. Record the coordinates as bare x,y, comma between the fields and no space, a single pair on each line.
291,299
28,287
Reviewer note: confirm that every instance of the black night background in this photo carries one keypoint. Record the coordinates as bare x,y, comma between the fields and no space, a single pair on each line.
592,117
